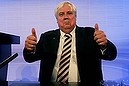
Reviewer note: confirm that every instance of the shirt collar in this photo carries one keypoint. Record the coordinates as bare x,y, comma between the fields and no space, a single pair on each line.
72,32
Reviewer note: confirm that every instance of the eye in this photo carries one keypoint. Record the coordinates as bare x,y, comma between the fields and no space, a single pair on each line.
61,14
69,12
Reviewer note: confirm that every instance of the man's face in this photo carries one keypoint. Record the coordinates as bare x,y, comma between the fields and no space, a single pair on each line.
66,19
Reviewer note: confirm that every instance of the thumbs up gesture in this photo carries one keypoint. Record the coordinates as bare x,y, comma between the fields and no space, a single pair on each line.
99,36
31,40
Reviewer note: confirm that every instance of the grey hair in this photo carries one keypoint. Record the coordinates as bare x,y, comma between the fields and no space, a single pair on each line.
60,5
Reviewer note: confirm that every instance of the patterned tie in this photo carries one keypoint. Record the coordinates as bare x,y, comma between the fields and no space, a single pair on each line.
62,75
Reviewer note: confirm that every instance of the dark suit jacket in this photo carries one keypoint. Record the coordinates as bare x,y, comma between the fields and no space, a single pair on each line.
88,54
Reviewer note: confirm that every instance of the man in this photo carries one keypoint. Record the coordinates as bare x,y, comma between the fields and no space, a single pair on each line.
89,46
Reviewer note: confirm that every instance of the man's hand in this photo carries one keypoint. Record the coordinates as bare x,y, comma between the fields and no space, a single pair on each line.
31,40
99,36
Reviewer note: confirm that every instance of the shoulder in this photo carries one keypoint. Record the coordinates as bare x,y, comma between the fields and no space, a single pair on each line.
85,29
51,32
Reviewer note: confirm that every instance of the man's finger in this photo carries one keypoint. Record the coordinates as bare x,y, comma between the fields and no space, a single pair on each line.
33,32
96,27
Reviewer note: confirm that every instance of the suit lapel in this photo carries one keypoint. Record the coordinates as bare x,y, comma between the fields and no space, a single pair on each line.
55,41
79,39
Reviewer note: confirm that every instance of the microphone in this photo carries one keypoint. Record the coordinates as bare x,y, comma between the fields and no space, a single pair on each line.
7,60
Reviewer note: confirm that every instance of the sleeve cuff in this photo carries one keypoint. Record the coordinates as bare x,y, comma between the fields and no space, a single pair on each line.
103,51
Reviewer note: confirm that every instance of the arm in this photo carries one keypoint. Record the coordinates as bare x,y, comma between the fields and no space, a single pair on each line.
107,48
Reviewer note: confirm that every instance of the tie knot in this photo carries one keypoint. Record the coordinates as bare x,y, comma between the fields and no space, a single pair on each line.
68,35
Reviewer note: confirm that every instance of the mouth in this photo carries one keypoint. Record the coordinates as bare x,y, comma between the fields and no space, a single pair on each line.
66,22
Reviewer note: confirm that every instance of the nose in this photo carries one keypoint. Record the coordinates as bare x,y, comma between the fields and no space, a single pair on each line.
66,16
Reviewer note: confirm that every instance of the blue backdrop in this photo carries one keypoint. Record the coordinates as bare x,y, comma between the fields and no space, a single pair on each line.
17,17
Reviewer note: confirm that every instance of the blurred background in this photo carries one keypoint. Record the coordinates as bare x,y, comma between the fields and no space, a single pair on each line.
18,17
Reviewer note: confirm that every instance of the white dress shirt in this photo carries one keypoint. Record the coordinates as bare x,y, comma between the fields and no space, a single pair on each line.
73,69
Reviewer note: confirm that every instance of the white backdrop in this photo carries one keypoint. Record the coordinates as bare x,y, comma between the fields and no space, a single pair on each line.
17,17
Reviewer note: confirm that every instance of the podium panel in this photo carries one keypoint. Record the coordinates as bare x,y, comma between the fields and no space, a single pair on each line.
5,51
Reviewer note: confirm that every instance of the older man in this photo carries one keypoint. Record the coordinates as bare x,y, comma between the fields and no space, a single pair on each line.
80,61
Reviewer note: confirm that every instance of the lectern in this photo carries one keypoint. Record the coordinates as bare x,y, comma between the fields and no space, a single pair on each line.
5,51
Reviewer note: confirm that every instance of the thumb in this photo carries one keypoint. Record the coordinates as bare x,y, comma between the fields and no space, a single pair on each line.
33,32
96,27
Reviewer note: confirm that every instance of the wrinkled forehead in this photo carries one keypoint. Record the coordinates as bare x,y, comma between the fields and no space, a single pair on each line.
62,4
65,8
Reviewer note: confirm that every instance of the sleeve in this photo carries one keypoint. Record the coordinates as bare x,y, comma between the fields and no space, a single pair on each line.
109,52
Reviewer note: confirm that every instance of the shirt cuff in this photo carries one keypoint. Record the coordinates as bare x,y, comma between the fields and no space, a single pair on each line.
103,51
32,51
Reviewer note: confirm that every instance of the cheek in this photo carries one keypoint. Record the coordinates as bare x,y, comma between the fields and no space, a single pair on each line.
60,21
73,20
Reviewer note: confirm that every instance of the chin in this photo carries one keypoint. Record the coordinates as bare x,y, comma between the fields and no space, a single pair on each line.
68,30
